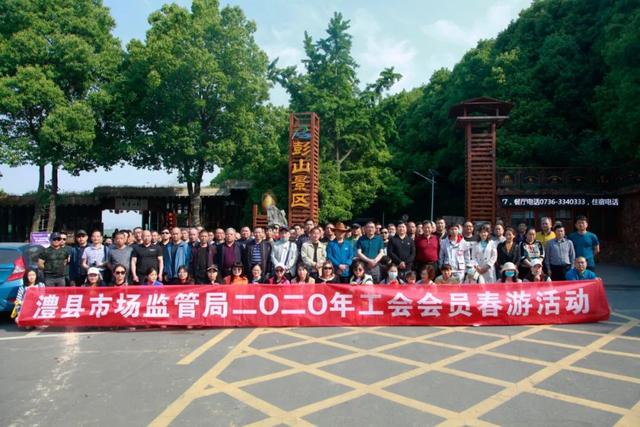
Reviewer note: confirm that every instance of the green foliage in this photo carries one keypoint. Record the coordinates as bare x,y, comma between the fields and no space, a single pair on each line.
194,89
571,70
55,57
353,150
263,159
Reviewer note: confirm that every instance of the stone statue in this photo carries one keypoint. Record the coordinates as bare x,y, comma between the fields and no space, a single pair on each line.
275,216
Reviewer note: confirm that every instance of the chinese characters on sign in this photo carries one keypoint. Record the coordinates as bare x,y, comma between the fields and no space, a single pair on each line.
303,167
316,305
561,201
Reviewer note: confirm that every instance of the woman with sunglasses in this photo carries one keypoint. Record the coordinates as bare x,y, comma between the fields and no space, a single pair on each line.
119,275
360,277
327,275
236,277
279,278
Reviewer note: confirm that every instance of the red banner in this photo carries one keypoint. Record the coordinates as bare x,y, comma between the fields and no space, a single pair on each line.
317,305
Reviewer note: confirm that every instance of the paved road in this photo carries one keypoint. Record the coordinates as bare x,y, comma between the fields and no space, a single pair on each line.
587,374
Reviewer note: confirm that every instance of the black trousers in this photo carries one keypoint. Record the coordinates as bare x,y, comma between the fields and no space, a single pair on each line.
558,272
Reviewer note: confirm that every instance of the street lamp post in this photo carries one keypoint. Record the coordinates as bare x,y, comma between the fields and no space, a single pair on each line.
432,180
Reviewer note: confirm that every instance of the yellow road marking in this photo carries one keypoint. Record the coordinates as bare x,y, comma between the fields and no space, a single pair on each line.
210,384
631,419
204,347
528,384
179,405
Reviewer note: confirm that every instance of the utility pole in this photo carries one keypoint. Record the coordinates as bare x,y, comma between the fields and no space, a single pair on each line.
432,180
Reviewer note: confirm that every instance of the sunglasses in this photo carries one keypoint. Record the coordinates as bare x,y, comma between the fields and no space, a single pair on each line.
165,232
119,272
327,268
57,239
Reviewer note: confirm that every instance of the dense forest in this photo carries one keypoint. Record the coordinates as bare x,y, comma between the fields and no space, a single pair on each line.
570,67
193,97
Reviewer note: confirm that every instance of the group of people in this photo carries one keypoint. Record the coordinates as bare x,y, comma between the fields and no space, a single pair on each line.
404,252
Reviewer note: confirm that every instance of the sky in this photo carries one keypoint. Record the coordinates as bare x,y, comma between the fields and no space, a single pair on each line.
416,37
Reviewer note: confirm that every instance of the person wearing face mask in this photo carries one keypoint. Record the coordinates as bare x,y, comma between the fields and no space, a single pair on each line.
472,275
392,276
509,273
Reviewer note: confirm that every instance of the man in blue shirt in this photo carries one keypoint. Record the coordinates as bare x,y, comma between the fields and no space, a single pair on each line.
585,243
580,272
370,249
340,252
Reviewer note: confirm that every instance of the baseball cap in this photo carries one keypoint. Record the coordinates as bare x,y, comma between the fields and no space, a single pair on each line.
93,270
55,236
81,232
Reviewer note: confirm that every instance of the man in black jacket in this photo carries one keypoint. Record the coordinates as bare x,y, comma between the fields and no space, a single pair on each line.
257,251
402,249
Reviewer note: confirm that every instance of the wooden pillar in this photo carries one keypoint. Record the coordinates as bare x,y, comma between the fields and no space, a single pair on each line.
304,167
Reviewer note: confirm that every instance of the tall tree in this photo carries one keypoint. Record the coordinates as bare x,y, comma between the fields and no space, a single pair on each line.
55,58
353,147
194,90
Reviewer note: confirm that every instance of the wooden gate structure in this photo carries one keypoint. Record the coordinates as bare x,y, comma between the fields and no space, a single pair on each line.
480,117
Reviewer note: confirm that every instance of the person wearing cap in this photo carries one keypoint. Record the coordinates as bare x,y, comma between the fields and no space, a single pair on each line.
446,276
213,278
472,275
340,252
536,274
94,278
77,273
278,278
509,273
580,271
285,253
53,261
